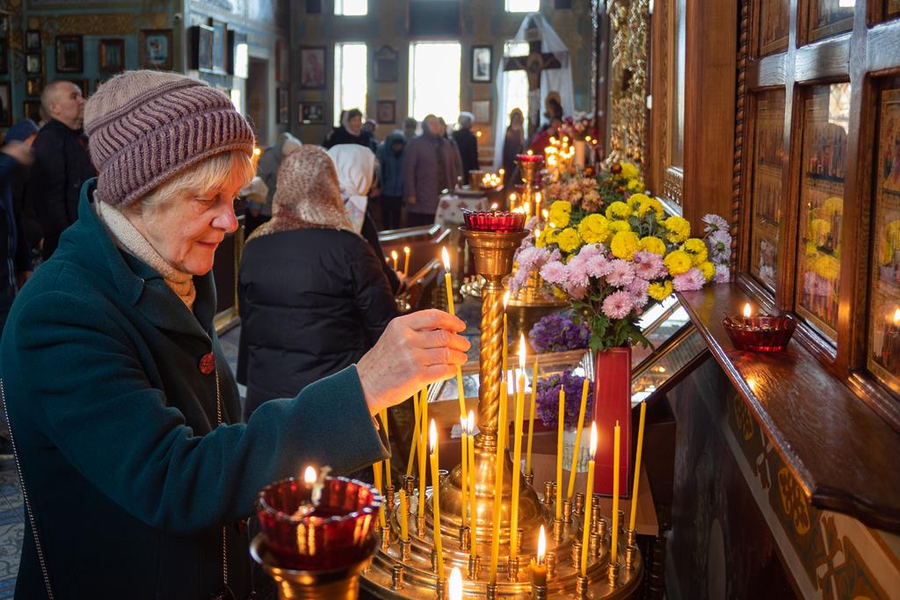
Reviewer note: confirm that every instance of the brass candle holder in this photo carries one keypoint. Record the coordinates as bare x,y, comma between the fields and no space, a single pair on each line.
493,252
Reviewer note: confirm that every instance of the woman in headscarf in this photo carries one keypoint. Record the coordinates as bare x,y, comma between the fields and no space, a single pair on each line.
513,143
124,414
314,297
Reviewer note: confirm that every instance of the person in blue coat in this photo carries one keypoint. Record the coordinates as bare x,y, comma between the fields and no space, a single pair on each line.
136,470
390,157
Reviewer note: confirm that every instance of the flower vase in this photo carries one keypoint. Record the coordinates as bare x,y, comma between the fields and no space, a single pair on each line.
612,403
584,457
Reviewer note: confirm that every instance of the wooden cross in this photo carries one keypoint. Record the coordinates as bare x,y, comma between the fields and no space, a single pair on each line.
534,64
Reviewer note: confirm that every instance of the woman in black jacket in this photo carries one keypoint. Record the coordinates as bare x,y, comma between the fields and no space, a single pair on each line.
314,297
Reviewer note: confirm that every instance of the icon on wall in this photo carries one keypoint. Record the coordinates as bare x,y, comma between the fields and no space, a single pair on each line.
482,57
33,63
386,65
156,49
112,56
386,112
201,48
69,54
32,40
311,113
312,68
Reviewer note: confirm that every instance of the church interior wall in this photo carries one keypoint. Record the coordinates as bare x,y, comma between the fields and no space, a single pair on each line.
482,22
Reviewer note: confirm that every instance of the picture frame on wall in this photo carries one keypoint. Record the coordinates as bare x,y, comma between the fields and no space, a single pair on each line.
69,53
33,64
482,63
219,46
283,106
4,42
201,55
311,113
31,109
112,55
312,68
386,112
156,49
481,110
33,40
5,105
34,86
386,65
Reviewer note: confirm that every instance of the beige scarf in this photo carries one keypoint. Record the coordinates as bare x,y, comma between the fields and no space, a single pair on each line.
127,237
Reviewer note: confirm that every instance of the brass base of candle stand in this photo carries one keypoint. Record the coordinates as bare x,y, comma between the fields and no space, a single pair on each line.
333,584
493,254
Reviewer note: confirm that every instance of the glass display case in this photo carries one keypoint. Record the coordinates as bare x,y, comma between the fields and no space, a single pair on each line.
766,198
826,120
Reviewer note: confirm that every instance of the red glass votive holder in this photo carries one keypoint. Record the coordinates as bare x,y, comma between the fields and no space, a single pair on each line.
339,531
501,222
529,158
760,334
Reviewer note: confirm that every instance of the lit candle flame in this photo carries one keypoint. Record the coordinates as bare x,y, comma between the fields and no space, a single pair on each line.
394,254
445,256
748,312
455,586
494,206
537,198
542,546
505,299
897,316
530,153
257,151
546,214
470,423
432,436
593,439
587,138
502,171
552,225
522,351
309,475
406,250
512,196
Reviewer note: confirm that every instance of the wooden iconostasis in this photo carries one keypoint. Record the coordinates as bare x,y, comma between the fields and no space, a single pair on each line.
809,117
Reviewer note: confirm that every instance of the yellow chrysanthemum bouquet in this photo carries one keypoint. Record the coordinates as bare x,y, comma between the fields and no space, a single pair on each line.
614,258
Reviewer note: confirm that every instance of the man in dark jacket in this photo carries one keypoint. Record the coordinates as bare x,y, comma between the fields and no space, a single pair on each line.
14,264
430,165
467,143
61,162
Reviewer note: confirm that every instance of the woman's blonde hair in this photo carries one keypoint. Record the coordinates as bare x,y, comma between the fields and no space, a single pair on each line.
227,169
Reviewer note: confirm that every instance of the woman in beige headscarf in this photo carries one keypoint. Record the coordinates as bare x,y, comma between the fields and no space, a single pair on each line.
314,297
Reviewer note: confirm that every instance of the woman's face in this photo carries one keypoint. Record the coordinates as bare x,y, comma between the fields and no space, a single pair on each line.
186,230
355,125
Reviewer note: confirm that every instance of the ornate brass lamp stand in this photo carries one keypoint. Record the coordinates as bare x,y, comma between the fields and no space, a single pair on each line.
406,570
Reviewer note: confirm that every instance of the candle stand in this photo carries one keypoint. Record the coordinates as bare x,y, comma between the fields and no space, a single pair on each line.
404,570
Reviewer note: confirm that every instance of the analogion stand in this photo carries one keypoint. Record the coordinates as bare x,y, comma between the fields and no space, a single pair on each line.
409,569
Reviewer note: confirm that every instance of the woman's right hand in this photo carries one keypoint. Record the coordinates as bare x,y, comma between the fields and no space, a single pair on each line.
414,351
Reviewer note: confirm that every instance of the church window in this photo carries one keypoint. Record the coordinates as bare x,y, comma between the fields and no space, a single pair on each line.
516,83
523,5
350,78
351,8
434,82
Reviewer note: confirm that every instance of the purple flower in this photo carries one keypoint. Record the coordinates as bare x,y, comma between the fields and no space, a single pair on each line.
621,273
554,272
648,265
719,244
723,274
690,281
558,332
618,304
547,399
715,223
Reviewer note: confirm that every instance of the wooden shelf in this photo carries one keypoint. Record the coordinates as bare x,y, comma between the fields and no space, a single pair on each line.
842,453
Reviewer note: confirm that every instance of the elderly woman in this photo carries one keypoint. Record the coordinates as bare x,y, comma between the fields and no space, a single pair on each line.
125,417
314,298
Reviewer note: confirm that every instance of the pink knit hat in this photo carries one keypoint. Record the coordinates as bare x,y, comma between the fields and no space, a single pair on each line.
146,126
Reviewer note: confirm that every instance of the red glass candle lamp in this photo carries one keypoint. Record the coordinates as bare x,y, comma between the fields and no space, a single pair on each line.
761,333
309,525
496,221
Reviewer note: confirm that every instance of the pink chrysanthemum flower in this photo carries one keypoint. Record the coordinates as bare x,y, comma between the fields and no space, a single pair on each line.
597,266
648,265
617,305
690,281
554,272
621,273
723,274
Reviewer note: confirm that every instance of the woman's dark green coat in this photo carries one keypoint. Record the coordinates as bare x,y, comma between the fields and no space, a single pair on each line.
129,478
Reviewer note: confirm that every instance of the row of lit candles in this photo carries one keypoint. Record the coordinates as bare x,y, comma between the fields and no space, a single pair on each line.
395,256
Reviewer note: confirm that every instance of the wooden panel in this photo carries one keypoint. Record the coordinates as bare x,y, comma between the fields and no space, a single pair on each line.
710,70
841,452
828,18
884,47
824,61
766,72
